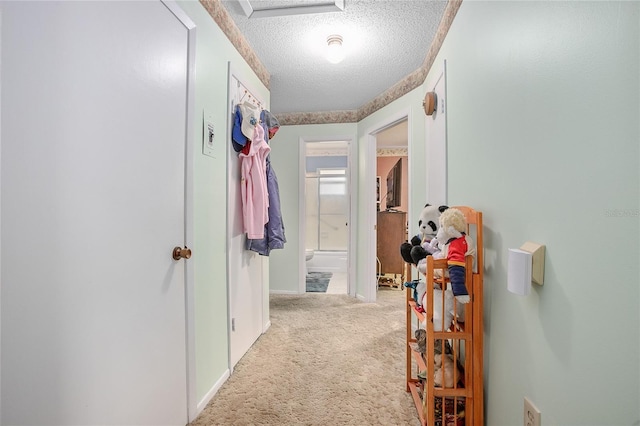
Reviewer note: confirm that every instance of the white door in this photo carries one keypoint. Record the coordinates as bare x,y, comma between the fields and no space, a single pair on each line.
246,272
436,136
92,168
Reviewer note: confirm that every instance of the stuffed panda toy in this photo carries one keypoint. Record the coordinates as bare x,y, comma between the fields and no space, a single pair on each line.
421,244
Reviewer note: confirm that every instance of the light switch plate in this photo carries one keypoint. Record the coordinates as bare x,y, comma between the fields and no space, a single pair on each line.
531,414
208,134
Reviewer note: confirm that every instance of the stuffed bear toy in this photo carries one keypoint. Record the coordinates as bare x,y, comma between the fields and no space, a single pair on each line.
442,314
443,363
455,245
421,245
443,374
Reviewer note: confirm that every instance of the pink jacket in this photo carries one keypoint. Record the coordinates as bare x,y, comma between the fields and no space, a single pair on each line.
255,196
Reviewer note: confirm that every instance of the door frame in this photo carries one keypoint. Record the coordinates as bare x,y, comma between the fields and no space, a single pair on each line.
189,211
369,176
302,210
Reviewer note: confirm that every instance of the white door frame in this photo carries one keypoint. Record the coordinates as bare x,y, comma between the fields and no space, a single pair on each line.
189,208
371,287
302,211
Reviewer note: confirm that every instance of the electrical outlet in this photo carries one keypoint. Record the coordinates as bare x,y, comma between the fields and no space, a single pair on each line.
531,413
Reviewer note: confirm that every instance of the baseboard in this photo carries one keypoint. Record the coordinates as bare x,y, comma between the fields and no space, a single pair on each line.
283,292
361,297
326,269
209,395
266,327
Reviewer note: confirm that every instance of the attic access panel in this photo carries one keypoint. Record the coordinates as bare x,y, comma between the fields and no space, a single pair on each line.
267,9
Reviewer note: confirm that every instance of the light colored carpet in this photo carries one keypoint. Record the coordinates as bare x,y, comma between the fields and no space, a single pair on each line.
326,360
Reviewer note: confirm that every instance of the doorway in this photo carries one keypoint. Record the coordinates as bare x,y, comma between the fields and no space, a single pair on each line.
392,201
376,132
326,216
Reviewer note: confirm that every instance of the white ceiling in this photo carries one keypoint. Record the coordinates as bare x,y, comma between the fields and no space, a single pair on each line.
384,40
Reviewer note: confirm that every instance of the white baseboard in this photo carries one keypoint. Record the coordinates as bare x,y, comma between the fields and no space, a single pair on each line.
266,327
209,395
327,269
361,297
283,292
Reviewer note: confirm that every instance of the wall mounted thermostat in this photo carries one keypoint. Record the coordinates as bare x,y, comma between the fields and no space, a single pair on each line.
208,134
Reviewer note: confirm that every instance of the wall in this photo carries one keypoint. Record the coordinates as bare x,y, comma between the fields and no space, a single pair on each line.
213,51
285,157
543,107
324,162
286,267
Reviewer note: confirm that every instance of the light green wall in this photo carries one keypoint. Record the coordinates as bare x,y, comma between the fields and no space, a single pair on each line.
285,151
543,138
213,52
285,158
543,111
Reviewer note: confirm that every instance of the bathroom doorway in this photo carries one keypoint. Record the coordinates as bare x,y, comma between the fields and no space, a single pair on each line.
327,209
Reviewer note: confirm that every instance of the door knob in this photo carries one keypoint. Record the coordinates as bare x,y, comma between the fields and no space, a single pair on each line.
181,253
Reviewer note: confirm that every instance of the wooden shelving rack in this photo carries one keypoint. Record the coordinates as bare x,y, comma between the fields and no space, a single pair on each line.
461,403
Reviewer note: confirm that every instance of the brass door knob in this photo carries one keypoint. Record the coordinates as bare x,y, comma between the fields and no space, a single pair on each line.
181,253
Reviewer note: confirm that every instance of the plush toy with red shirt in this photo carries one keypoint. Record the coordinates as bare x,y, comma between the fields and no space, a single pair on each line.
455,245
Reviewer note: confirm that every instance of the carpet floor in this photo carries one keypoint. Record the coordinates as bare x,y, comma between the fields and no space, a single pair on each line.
326,360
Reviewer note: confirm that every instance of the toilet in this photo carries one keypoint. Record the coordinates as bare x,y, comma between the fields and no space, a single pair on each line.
308,254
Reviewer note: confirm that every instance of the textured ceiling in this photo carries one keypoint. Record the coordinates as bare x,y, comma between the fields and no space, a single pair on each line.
384,41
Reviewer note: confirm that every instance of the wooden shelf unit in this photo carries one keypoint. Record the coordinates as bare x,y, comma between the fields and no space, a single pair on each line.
461,403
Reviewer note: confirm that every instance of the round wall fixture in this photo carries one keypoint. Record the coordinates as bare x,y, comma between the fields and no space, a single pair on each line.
430,103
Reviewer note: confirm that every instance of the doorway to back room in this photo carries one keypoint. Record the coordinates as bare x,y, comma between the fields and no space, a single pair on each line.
327,198
392,203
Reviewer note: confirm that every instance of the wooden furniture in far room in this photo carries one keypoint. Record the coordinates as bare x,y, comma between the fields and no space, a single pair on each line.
391,233
459,402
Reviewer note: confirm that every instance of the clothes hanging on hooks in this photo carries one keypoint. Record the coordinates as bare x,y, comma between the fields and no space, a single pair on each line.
254,191
246,111
271,123
274,235
250,118
251,98
238,139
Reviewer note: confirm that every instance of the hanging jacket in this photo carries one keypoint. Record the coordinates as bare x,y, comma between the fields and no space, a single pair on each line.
254,192
274,236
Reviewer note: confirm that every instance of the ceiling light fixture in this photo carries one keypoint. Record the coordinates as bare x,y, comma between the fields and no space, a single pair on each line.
335,53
